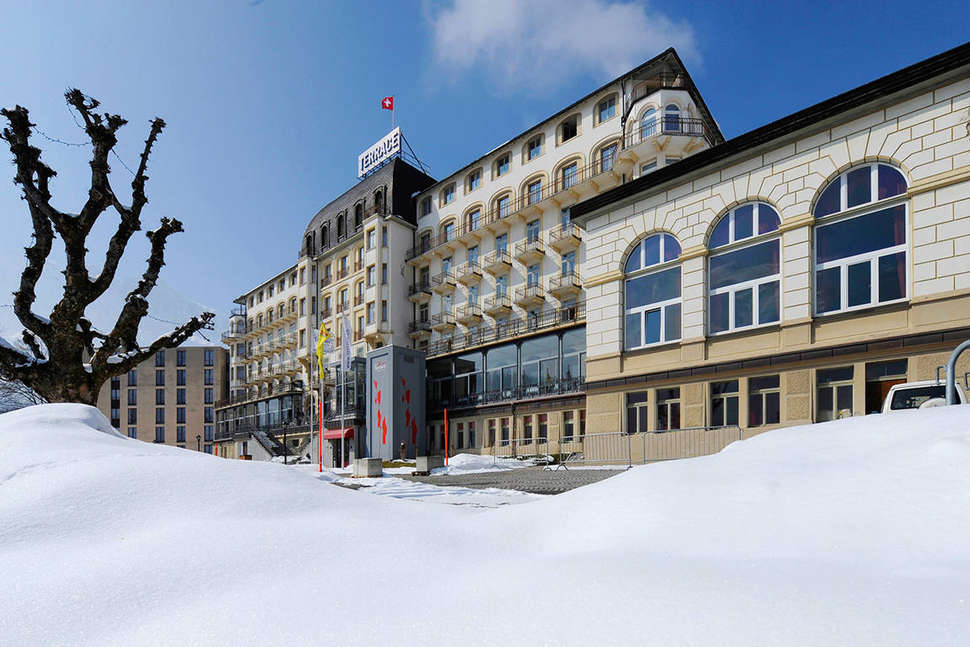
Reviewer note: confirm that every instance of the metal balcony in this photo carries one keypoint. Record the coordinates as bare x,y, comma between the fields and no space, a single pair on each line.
443,283
565,238
530,295
419,329
469,273
443,321
498,305
565,285
497,263
468,314
529,251
420,292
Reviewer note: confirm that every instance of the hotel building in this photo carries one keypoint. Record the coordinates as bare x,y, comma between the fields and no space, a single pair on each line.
350,264
171,398
498,292
791,274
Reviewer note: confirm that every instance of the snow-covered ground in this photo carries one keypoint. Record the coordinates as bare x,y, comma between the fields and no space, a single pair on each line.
855,532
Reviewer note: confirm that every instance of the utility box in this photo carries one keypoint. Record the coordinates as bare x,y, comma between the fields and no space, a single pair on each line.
368,468
395,403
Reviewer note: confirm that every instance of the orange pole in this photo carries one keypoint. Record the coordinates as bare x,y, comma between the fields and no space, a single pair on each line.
446,436
320,439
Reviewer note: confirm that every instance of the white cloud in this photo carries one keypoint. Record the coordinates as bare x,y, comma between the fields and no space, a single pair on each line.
536,44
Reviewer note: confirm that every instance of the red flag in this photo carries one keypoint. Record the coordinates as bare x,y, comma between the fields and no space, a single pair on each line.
387,103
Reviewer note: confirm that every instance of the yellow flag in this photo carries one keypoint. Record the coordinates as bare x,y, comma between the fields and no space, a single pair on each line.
321,338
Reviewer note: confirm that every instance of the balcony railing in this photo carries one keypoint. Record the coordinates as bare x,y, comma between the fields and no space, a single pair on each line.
326,313
505,328
417,288
564,237
557,387
566,179
419,327
529,248
530,294
565,282
664,125
343,273
358,300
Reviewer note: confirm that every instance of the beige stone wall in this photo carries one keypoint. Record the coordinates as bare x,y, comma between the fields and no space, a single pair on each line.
194,395
924,135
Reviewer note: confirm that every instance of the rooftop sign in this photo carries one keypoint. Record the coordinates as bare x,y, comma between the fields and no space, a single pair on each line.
380,152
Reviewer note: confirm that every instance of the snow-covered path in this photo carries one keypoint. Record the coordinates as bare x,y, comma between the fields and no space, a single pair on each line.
854,532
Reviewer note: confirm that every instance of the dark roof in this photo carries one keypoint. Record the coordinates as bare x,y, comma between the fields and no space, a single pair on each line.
897,81
668,56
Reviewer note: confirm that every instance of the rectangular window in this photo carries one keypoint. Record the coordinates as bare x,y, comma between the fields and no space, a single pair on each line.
425,206
160,377
880,377
460,435
133,432
209,396
159,434
179,396
302,275
209,434
833,396
133,378
502,165
160,358
180,377
636,412
764,401
208,415
209,357
505,431
490,439
303,339
582,423
370,312
535,191
471,433
567,426
384,241
668,409
132,397
535,147
180,417
180,358
180,433
474,180
160,396
527,430
449,194
383,273
543,427
724,403
159,416
209,377
384,311
370,276
607,109
371,238
133,416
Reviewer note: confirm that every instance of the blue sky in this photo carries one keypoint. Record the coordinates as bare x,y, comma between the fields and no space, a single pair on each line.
269,103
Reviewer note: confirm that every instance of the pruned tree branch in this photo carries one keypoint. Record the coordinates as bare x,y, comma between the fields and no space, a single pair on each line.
59,345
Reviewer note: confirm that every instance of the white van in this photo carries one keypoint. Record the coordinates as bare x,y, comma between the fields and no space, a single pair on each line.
917,395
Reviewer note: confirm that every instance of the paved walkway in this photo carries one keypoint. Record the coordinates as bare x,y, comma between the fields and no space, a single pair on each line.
534,480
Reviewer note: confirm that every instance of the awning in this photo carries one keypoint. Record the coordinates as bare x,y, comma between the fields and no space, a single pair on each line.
331,434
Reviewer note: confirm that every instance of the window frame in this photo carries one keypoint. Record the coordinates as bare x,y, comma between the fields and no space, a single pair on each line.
643,310
847,213
734,245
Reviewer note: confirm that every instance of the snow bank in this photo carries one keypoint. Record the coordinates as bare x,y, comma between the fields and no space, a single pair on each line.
854,532
476,464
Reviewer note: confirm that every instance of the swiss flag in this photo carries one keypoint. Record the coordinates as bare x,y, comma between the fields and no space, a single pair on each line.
387,103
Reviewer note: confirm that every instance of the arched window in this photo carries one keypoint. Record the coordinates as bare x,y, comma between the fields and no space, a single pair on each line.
860,257
325,236
379,201
358,215
341,227
648,123
744,278
473,219
652,305
672,118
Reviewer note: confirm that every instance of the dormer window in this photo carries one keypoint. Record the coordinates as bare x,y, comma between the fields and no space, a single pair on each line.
533,148
502,165
569,129
448,194
474,180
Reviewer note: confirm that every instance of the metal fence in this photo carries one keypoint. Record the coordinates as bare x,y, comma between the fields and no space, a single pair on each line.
618,448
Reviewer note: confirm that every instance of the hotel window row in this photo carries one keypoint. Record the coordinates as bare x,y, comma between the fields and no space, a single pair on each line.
860,261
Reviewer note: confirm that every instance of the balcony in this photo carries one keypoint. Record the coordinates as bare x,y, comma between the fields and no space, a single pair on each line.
326,313
497,263
443,283
529,251
342,273
498,305
512,394
326,280
419,329
644,139
377,331
420,292
530,295
566,284
507,328
231,336
419,249
289,315
358,300
469,314
343,307
565,238
469,273
443,322
286,341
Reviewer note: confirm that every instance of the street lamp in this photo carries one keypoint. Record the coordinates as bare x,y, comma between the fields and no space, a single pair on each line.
286,424
198,442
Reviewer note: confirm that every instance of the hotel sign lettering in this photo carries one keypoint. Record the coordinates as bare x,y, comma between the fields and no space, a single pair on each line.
383,150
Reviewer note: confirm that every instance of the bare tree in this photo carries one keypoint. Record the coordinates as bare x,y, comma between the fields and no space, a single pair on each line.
64,358
14,395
